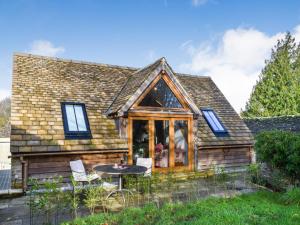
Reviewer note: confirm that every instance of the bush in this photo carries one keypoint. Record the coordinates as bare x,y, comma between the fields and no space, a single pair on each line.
292,196
280,150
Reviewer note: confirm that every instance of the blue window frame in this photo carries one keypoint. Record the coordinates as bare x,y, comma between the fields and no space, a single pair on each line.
75,120
214,122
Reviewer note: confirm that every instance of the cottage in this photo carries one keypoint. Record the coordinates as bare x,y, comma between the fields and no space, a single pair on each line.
64,110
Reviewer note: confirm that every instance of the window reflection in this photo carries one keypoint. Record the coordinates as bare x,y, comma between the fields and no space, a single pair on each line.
161,96
181,142
140,139
161,143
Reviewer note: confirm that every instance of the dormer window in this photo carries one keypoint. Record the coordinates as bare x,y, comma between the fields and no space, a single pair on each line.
214,122
75,120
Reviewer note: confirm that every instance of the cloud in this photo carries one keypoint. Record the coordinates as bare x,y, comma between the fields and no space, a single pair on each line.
234,61
4,93
199,2
46,48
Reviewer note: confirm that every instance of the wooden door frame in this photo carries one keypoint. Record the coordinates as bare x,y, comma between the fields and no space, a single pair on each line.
150,117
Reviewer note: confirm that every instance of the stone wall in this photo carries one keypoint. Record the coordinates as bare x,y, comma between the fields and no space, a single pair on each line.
284,123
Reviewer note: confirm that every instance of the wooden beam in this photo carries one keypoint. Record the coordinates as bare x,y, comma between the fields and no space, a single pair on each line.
17,155
171,144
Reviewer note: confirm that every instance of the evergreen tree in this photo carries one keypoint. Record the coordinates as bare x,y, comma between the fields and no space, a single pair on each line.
277,91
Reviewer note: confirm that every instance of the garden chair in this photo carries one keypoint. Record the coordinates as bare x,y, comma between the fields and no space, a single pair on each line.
80,175
146,162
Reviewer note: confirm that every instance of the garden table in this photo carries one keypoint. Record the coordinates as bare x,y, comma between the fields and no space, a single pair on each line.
126,170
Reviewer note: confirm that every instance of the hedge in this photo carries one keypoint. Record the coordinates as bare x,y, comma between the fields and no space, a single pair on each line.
280,150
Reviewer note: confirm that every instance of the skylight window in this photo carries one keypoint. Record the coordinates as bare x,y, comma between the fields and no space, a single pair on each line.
76,124
213,121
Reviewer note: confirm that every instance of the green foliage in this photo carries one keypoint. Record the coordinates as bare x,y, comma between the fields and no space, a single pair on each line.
257,208
5,117
94,197
255,173
277,92
73,197
280,150
46,197
292,196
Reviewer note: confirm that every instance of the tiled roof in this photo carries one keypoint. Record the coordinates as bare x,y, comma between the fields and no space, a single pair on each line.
206,94
284,123
40,84
132,84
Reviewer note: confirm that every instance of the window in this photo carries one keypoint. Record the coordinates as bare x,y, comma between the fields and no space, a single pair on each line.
161,143
213,121
181,142
161,96
76,124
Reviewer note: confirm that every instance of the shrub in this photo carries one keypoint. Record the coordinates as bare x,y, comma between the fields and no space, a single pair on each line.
255,173
292,196
280,150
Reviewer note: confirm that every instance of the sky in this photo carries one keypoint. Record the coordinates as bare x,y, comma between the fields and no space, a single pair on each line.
228,40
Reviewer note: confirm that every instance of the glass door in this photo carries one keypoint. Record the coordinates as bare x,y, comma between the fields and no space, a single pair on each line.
165,140
140,139
161,143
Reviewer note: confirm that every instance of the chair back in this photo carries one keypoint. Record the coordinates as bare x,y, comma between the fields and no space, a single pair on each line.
78,170
146,162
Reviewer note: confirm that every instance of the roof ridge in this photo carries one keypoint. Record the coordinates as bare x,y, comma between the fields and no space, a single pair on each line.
129,78
73,61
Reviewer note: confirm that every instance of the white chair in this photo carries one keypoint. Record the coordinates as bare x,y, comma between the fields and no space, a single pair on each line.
146,162
79,175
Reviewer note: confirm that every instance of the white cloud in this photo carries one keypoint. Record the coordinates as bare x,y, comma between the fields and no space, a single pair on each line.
199,2
234,62
46,48
4,93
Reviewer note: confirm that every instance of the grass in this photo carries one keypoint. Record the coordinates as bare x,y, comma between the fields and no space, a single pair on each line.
257,208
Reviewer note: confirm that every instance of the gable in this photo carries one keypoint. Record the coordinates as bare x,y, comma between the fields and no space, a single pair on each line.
146,77
160,96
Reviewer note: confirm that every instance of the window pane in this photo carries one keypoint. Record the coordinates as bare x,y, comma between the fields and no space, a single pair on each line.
214,118
71,118
161,96
80,118
181,142
210,121
161,143
213,121
140,142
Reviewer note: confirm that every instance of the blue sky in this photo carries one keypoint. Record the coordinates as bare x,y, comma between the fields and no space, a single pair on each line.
227,40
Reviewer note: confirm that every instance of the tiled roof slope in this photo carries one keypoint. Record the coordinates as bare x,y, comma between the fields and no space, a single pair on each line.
284,123
40,84
133,83
206,94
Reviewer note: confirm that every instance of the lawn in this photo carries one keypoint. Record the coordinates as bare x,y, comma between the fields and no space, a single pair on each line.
257,208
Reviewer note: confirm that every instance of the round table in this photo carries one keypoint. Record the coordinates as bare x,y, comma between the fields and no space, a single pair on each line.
127,170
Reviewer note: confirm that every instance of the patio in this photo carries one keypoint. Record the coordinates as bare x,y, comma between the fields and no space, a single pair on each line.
166,189
4,180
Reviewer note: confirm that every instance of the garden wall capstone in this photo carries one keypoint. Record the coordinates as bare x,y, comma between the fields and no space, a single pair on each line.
283,123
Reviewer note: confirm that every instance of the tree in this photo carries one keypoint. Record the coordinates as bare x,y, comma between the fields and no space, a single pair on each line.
277,91
5,117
